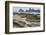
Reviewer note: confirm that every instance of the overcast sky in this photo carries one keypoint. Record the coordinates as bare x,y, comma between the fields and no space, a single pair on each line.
16,9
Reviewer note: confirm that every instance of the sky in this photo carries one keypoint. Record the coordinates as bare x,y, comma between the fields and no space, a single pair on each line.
16,9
